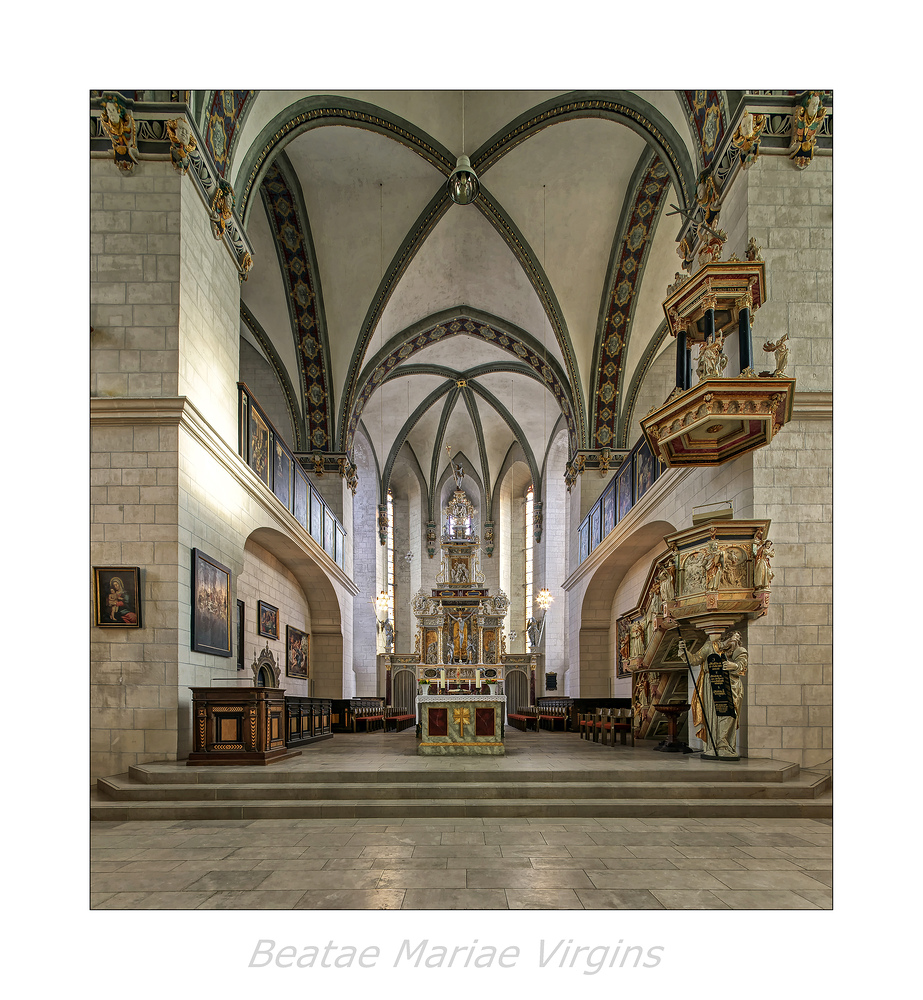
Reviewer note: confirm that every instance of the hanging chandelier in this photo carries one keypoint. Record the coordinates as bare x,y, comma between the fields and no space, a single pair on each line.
544,599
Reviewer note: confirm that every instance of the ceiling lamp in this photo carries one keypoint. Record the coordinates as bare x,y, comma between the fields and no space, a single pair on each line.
463,184
544,599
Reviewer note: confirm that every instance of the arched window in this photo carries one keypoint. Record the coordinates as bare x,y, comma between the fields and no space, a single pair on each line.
530,496
390,559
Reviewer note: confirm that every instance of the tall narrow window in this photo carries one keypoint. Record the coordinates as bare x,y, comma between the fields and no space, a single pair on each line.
390,558
529,542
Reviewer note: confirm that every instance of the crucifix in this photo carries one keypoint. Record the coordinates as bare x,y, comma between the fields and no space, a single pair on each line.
462,717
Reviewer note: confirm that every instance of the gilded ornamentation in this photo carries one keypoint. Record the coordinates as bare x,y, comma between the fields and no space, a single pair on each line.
762,553
679,279
244,265
754,251
807,119
780,349
711,250
712,359
182,143
382,524
706,196
222,208
119,124
746,137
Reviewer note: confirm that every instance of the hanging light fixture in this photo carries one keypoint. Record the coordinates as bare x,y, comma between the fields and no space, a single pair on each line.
381,606
544,599
463,184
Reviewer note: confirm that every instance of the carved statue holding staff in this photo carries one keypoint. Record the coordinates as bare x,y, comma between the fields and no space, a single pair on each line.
716,724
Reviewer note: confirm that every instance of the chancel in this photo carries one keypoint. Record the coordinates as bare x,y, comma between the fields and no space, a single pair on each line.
431,426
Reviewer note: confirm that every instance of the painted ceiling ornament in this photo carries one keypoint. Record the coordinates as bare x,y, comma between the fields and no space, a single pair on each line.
807,118
182,143
119,124
222,208
746,137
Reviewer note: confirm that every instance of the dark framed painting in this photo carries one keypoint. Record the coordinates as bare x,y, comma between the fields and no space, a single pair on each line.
211,605
297,652
623,489
258,458
608,510
328,533
300,504
282,474
118,596
645,470
241,610
317,517
267,620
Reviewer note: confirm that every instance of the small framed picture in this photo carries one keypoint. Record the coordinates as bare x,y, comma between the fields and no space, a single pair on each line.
267,619
211,605
118,596
297,650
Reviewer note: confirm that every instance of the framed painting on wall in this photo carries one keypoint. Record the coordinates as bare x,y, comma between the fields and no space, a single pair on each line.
645,470
211,605
317,517
258,458
118,596
297,649
282,474
240,635
623,489
300,505
267,620
608,510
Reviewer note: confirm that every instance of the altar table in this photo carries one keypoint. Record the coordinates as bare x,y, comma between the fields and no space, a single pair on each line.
461,725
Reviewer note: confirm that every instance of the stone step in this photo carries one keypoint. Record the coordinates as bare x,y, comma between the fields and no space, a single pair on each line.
123,788
104,809
169,772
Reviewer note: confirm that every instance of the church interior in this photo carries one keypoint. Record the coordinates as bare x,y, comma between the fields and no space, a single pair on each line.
461,488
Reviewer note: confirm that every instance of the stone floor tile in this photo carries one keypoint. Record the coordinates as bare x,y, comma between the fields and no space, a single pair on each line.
305,881
348,864
618,899
302,864
152,901
448,851
409,878
636,864
535,851
463,837
185,854
512,838
253,899
383,851
708,864
432,864
689,899
814,864
473,861
699,851
543,864
543,899
409,838
521,878
263,853
777,899
229,881
820,897
824,877
655,851
767,880
352,899
455,899
152,866
142,881
601,851
807,851
109,866
654,879
323,852
768,865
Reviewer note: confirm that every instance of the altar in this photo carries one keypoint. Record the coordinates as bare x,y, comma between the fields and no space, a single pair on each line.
461,725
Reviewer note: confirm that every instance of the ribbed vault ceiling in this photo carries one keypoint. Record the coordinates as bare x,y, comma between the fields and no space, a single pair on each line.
362,264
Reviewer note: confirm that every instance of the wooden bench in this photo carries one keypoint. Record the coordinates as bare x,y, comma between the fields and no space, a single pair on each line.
371,721
522,718
400,720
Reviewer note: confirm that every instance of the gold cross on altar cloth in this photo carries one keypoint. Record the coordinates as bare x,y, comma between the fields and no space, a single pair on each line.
462,717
